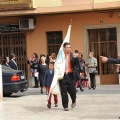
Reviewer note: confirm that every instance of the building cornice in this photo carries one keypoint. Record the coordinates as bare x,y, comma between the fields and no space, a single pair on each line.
64,9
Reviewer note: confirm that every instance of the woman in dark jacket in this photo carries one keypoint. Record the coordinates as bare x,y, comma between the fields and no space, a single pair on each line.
77,70
42,69
34,67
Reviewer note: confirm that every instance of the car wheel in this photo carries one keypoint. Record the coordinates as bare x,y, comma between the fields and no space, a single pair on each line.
6,94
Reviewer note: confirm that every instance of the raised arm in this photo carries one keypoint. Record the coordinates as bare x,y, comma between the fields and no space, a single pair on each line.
110,60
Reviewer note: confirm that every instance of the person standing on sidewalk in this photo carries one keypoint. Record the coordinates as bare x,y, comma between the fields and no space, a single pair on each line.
77,71
33,62
91,67
5,62
12,62
53,56
49,74
67,84
42,67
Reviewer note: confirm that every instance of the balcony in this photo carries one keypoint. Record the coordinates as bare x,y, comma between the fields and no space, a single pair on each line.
6,5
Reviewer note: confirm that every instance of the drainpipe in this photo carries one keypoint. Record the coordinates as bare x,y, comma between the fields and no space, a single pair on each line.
1,85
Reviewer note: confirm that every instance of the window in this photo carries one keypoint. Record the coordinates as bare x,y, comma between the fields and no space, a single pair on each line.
54,40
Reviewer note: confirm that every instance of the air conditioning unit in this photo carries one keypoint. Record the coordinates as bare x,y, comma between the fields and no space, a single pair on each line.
26,24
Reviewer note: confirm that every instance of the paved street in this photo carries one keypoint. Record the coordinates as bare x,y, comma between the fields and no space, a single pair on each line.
102,103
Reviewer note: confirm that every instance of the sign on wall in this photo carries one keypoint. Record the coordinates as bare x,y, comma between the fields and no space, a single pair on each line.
4,28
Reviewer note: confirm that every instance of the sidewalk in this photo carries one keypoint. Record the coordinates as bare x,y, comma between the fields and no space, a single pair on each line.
102,103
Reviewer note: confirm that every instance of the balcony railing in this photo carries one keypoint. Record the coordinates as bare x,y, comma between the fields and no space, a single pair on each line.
15,4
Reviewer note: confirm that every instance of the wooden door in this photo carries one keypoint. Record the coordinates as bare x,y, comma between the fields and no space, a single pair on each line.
104,43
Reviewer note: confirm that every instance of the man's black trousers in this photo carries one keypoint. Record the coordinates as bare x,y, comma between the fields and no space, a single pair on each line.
67,85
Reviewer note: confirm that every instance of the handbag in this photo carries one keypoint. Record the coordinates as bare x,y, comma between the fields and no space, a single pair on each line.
36,74
95,72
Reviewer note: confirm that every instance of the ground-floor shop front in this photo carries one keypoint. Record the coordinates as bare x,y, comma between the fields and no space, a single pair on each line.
91,31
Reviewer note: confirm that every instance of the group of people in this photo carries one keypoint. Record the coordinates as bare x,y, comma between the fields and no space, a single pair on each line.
86,67
75,65
43,72
40,66
10,61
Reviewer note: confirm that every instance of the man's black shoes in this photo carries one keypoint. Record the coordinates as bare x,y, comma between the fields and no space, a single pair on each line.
73,105
48,105
81,90
66,109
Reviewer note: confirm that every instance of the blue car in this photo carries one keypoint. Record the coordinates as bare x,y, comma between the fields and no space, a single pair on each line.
13,81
